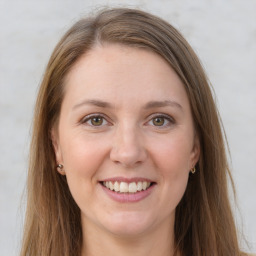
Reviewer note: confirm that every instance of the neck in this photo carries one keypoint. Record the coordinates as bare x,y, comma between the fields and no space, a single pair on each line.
98,242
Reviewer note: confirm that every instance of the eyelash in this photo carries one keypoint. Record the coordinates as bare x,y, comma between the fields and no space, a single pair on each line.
88,118
166,118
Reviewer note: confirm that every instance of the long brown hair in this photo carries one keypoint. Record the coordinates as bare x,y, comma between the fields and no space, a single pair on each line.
204,224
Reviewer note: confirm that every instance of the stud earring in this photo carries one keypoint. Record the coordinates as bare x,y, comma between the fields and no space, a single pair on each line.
60,166
193,170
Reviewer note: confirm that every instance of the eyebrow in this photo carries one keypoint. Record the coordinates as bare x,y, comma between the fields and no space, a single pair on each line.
97,103
150,104
161,104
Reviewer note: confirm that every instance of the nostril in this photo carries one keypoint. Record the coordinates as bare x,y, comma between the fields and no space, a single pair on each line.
128,156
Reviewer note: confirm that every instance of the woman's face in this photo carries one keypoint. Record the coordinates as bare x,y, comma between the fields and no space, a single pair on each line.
126,139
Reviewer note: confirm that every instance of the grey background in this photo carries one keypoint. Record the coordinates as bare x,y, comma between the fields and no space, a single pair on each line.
223,33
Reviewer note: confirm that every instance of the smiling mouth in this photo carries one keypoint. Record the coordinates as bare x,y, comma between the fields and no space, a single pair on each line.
127,187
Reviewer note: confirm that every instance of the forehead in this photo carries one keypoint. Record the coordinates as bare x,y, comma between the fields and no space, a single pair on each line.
123,73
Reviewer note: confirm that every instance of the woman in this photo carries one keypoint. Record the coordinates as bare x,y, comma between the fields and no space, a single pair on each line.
127,154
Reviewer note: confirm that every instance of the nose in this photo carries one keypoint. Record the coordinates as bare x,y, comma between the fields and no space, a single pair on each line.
128,148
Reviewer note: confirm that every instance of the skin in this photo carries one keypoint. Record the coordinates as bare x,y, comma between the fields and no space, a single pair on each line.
130,142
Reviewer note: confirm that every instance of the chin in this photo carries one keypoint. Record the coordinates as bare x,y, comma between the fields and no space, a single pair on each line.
128,224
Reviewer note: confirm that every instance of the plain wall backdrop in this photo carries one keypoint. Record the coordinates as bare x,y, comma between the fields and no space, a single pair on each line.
222,32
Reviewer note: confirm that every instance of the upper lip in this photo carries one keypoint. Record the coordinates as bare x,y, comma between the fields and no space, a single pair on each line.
128,180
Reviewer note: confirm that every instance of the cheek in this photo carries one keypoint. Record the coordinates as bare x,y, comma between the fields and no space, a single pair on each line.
174,182
83,154
82,160
172,159
173,155
174,173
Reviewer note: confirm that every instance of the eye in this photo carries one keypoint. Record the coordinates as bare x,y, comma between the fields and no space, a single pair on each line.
95,120
158,121
161,121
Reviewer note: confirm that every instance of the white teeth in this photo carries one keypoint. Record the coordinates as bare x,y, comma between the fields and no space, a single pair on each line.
111,185
139,186
124,187
132,187
116,187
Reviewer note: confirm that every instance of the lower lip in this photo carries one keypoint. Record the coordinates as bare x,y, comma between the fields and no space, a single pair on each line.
128,197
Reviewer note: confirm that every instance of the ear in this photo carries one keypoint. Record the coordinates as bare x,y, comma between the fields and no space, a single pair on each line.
195,153
57,149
